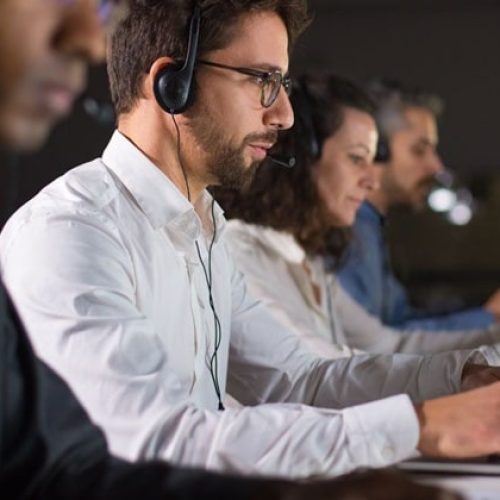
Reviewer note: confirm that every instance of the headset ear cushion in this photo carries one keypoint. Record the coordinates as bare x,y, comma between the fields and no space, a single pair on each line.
383,154
304,122
173,89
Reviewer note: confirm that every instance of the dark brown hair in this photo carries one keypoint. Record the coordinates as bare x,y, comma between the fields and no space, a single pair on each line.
286,199
156,28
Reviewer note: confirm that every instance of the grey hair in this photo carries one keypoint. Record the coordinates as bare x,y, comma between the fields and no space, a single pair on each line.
392,98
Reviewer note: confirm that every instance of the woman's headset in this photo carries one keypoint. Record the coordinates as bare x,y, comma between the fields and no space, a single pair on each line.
305,130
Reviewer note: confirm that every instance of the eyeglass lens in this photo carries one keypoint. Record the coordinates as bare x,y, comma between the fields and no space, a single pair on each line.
271,88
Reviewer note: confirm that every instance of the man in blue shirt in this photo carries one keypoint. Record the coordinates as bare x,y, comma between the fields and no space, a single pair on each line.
409,163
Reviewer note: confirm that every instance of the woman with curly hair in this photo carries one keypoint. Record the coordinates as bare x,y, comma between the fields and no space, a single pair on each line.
290,227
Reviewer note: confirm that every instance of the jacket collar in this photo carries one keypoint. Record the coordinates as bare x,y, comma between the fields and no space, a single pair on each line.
368,213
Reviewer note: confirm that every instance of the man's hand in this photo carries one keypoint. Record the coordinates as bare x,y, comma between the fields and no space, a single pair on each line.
373,485
463,425
492,305
475,376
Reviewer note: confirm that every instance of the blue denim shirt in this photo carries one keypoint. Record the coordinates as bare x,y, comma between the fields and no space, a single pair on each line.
368,277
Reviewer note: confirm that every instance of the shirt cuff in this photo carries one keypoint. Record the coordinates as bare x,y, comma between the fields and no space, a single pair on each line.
441,373
382,432
487,355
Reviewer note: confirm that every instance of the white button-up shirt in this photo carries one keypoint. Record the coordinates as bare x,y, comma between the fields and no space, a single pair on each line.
103,267
278,271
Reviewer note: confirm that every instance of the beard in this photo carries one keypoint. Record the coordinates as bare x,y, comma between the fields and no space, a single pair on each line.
412,197
225,162
419,194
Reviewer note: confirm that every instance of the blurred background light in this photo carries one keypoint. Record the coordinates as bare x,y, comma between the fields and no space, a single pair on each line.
442,199
460,214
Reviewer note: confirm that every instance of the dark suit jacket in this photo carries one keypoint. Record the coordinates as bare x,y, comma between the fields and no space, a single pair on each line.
50,449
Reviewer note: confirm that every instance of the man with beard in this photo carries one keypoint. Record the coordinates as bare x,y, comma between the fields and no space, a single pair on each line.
409,163
49,449
133,298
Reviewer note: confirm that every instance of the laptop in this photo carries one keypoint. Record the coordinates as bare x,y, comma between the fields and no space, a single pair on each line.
487,466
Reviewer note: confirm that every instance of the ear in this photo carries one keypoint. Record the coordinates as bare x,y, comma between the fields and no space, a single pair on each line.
158,65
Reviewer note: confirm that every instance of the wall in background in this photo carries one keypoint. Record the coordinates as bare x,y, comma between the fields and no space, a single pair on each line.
451,47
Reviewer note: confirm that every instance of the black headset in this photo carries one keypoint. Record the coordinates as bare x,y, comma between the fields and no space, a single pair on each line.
378,90
174,84
305,129
383,152
174,92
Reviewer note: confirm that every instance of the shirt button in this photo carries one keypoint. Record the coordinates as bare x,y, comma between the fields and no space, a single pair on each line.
201,302
388,453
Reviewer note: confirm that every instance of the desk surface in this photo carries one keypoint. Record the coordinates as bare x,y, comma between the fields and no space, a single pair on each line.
471,487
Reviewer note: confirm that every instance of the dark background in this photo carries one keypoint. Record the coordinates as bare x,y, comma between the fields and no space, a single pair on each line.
453,48
449,46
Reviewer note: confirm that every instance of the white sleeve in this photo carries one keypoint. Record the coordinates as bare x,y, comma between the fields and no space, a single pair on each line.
71,280
276,323
366,332
270,363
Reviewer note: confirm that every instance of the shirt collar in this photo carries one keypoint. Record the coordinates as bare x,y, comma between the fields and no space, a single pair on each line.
280,242
369,213
156,195
285,246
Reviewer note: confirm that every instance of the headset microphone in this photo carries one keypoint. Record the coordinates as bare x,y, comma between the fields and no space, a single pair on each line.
283,161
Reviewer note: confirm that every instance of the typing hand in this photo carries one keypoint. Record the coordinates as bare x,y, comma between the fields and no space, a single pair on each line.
463,425
493,304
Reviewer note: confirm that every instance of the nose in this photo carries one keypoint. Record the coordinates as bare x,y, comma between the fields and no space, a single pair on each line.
435,165
370,179
280,114
82,33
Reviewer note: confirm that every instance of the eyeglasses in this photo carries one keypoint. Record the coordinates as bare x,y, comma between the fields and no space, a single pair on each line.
270,82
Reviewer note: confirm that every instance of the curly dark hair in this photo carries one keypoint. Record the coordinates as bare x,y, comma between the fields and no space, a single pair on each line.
155,28
287,199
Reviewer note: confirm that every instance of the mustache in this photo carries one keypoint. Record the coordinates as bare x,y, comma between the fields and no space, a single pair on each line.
271,137
428,182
